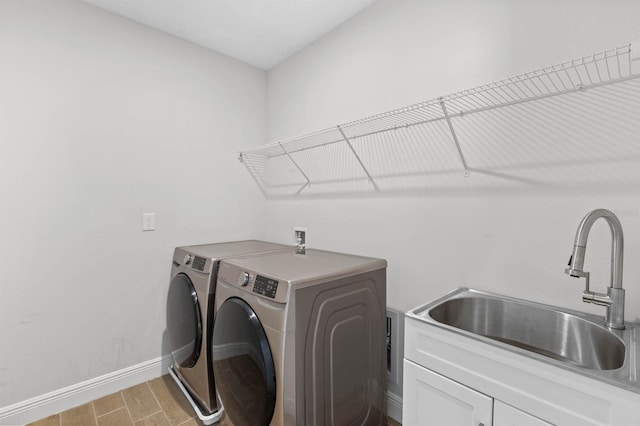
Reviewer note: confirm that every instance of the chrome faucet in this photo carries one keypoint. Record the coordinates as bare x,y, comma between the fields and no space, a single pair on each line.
614,299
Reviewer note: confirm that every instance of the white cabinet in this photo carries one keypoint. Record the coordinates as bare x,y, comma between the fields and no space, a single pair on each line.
450,379
506,415
432,399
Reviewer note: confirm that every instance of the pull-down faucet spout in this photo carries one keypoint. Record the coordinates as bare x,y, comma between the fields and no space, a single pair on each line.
614,299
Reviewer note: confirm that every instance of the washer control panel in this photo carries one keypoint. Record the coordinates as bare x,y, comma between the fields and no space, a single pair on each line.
265,286
198,263
259,285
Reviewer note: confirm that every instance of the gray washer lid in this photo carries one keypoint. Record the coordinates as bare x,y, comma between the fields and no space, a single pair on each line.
234,248
306,269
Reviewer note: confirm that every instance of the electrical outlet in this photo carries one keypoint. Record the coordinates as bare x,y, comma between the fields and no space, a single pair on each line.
300,239
148,221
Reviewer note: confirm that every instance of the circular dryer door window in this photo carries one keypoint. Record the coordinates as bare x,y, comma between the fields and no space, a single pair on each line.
243,365
184,322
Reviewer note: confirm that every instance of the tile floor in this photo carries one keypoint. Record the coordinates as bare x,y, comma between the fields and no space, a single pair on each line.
158,402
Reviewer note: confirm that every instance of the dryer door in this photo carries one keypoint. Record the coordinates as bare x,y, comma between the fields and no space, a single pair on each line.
243,365
184,321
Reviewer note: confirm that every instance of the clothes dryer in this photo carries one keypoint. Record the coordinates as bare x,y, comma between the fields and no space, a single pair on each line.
190,316
301,339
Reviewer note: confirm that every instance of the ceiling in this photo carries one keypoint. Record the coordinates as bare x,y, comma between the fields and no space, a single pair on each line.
262,33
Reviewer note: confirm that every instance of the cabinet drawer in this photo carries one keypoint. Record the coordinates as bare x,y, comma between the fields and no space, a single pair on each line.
506,415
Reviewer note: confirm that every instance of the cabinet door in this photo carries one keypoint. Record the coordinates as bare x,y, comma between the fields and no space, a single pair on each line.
432,399
506,415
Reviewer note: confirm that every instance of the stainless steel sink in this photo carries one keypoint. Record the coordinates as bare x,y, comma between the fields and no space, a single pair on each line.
548,332
569,339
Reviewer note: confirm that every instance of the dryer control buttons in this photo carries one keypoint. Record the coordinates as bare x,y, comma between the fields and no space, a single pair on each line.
199,263
243,279
187,259
265,286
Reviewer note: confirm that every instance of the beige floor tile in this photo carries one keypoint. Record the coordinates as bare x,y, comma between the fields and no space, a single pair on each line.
79,416
172,400
190,422
225,420
156,403
49,421
140,401
116,418
158,419
393,422
108,404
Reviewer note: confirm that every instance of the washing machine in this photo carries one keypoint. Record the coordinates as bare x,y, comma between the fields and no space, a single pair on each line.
300,339
190,316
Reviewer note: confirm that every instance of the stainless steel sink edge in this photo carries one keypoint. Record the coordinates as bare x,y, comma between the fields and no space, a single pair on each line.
460,292
625,377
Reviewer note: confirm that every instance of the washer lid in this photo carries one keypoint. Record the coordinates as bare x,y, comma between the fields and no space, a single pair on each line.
306,269
234,248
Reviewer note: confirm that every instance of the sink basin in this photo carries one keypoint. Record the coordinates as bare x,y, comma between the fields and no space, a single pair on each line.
545,331
568,339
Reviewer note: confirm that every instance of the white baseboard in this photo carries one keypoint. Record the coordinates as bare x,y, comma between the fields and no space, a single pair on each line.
394,407
63,399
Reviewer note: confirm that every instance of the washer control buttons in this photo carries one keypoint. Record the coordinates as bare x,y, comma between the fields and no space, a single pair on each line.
187,259
265,286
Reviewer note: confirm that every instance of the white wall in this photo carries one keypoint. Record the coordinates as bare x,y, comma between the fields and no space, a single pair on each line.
103,119
514,240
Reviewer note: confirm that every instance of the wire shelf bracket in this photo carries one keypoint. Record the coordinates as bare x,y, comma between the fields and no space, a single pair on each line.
346,139
455,138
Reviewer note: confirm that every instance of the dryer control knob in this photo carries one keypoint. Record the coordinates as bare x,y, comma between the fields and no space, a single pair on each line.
243,279
187,259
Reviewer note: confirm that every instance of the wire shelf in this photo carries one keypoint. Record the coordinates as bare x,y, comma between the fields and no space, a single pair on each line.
378,153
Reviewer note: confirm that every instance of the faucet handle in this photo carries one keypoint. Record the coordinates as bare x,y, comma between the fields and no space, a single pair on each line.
586,283
589,296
